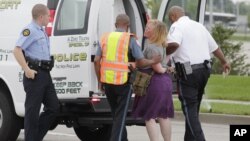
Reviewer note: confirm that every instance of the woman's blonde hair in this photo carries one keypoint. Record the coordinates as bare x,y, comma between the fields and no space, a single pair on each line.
159,32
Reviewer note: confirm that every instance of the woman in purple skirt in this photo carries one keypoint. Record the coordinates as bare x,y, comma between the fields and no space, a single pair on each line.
157,104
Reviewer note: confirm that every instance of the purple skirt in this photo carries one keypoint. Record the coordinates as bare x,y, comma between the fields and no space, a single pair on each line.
158,102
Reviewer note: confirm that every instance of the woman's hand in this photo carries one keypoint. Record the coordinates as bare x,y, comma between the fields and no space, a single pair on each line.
170,70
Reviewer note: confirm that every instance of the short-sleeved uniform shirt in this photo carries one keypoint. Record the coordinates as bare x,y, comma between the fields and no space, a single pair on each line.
195,42
152,49
133,45
34,42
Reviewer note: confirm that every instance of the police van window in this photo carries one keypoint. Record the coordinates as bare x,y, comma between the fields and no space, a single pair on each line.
191,8
73,17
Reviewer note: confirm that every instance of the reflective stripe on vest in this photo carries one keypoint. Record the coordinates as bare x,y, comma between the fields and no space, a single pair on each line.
114,64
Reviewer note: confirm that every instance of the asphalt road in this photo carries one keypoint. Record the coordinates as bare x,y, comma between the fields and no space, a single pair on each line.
213,132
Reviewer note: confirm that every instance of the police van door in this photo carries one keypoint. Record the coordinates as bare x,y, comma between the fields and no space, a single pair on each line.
71,41
195,9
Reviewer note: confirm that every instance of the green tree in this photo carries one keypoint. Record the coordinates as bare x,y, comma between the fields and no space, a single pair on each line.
244,9
248,20
226,6
231,51
190,7
154,6
229,6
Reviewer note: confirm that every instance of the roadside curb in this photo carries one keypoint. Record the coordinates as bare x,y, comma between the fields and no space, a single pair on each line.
217,118
206,100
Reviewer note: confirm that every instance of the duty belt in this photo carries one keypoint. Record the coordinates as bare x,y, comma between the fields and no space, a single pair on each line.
42,64
184,69
206,64
198,66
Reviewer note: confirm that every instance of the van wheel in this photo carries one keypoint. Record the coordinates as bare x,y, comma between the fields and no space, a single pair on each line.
10,123
85,133
53,125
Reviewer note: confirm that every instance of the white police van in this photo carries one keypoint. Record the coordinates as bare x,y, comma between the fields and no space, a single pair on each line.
74,29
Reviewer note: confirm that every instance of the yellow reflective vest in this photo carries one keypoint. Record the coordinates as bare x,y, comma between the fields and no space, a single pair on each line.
114,64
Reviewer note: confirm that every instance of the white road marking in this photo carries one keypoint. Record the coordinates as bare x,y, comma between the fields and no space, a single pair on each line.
61,134
57,134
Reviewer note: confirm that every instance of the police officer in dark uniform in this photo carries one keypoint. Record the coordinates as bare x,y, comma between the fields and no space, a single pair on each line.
32,52
191,45
118,94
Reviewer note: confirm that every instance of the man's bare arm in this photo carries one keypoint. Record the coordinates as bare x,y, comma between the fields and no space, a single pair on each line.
171,48
97,64
219,54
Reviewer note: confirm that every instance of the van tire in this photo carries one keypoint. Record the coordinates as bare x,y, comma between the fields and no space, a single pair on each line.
10,123
85,133
53,125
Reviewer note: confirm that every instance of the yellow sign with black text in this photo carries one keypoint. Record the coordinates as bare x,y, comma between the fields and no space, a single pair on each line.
9,4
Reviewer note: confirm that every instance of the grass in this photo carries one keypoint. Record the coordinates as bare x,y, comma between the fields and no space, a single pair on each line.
239,37
229,88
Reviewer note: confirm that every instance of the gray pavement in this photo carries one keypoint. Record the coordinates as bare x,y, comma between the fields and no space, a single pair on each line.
215,126
213,132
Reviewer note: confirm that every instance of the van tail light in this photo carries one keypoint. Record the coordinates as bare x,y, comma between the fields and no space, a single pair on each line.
50,24
95,100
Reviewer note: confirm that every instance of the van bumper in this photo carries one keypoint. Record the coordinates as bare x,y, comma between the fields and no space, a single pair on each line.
88,112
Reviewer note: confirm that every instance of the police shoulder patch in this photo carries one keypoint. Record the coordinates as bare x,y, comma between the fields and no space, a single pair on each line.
26,32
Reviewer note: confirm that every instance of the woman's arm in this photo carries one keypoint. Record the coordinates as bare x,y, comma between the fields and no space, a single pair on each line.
158,68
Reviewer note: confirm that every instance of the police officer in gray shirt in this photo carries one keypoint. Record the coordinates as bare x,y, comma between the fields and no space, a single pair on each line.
32,52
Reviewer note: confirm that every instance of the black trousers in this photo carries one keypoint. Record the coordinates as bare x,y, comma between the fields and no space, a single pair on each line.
39,91
190,95
117,96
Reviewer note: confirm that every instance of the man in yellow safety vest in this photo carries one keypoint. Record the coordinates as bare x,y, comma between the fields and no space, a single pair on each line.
117,50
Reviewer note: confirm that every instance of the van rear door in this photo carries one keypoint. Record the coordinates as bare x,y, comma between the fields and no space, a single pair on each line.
195,9
71,43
